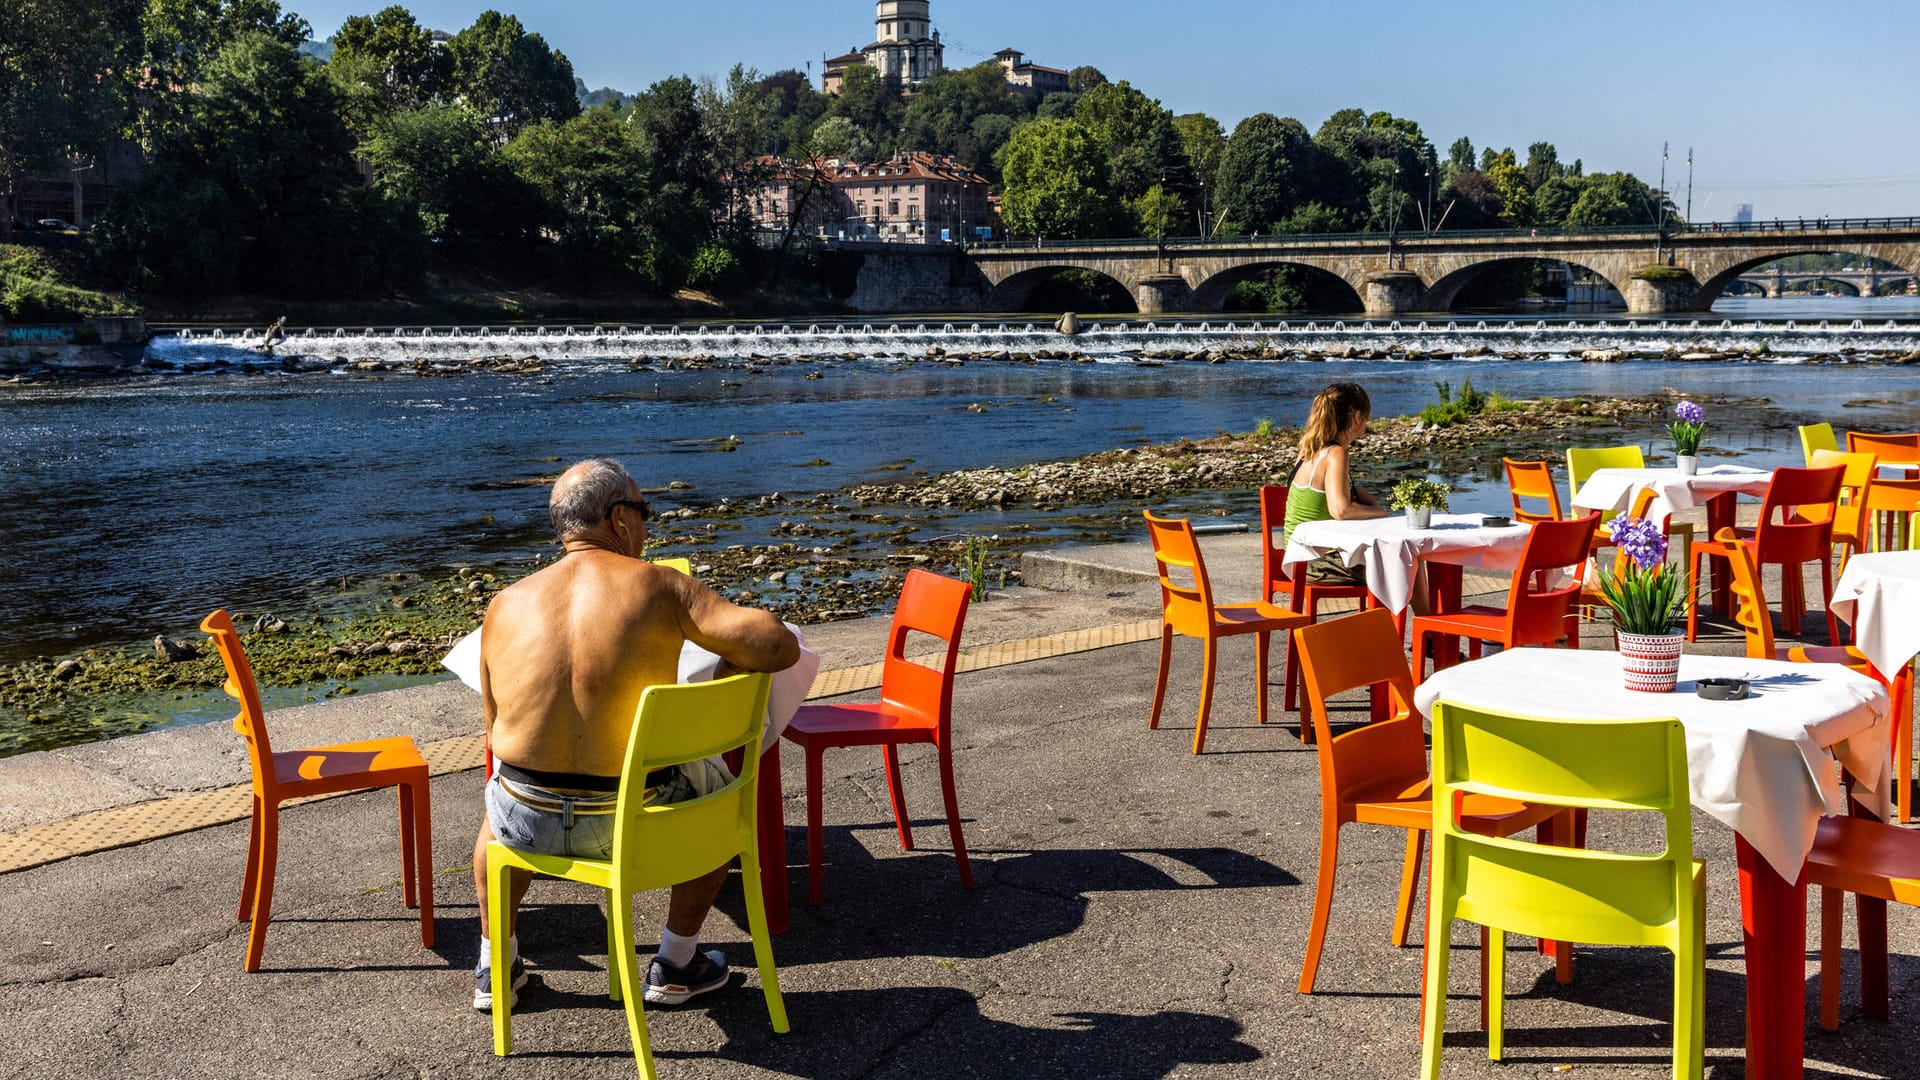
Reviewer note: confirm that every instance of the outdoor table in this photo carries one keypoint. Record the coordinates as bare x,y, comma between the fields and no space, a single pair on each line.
786,692
1878,594
1391,550
1768,767
1609,490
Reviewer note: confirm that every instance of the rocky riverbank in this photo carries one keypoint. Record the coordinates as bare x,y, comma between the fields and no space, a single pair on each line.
827,555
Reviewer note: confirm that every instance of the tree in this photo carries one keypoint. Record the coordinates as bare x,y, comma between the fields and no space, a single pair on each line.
1612,199
1138,136
1056,182
1267,169
438,162
1553,200
387,62
509,77
62,85
592,174
871,103
1204,141
1160,213
1460,154
261,173
1543,164
942,116
1470,201
1083,78
1516,196
182,37
836,137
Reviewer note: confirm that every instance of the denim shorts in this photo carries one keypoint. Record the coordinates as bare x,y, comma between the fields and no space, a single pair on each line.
583,828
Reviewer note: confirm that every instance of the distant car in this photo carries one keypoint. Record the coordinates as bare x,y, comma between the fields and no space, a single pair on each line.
54,224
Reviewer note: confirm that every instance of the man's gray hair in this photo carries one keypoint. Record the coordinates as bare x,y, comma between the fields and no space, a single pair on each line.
586,502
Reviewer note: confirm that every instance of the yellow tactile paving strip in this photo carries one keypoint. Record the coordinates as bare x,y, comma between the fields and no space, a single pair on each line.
103,830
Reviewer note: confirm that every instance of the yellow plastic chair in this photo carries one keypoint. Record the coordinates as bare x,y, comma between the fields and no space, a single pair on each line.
1570,894
1584,461
658,846
1816,437
685,566
1850,512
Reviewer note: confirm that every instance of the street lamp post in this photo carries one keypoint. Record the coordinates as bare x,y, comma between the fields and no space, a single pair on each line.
1660,214
1429,221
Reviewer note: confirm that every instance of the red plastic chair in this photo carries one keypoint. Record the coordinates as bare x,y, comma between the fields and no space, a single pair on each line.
915,706
1877,863
1302,595
1540,609
1189,610
322,770
1788,537
1376,774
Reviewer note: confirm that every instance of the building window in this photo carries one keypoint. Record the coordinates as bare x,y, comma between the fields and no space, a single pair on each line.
893,208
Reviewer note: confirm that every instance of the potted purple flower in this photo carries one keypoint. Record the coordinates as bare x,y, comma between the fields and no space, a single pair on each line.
1688,424
1646,599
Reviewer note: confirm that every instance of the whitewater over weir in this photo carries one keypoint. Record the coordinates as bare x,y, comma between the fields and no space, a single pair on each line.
1785,339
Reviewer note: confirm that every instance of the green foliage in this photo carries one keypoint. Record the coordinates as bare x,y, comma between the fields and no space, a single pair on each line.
63,90
1661,273
508,76
594,178
973,560
1451,410
714,267
1611,199
38,286
1263,427
438,162
385,63
1057,184
256,188
1418,491
1266,171
1160,213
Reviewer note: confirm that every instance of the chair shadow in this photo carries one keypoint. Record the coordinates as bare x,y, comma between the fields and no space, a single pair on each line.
924,1031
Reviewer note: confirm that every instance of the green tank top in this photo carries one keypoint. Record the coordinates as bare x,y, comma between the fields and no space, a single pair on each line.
1303,504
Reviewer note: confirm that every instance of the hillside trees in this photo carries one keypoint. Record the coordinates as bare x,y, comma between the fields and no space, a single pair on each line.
62,97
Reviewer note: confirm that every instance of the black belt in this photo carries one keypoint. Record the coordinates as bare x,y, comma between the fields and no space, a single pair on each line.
577,781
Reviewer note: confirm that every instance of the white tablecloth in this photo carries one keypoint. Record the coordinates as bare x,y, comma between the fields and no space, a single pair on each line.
786,694
1878,594
1765,766
1390,550
1614,489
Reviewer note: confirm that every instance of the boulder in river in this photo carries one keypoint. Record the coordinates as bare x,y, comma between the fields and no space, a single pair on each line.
173,651
1069,324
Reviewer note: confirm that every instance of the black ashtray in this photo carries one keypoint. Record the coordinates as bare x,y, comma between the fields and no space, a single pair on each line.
1721,689
1495,521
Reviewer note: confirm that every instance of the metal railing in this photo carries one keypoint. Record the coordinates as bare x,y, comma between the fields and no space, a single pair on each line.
1708,228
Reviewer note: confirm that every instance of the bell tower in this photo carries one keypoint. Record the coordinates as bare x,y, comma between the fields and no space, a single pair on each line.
905,45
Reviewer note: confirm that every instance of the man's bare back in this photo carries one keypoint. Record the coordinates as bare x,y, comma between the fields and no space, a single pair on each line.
567,651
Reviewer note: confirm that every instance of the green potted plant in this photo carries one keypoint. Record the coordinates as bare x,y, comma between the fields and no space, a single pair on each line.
1647,600
1418,496
1688,424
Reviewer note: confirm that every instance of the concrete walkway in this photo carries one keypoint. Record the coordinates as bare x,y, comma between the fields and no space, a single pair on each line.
1140,912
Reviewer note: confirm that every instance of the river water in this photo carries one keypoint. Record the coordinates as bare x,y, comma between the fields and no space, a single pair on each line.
135,505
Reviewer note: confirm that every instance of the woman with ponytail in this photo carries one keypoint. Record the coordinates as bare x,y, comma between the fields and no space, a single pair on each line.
1323,487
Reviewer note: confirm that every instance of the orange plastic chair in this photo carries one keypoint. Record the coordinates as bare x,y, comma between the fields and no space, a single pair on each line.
1376,774
1540,609
322,770
1891,449
1893,503
1750,613
1304,596
1532,480
1189,610
915,706
1850,512
1876,862
1793,530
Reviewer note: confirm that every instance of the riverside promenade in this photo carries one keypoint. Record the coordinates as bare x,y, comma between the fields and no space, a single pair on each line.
1140,912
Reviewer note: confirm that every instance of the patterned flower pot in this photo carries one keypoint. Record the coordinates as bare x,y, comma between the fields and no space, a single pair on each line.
1689,464
1650,662
1419,517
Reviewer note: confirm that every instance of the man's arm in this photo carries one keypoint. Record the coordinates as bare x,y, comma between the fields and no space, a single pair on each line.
748,639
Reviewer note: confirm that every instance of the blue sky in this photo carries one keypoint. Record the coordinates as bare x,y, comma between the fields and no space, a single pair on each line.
1788,106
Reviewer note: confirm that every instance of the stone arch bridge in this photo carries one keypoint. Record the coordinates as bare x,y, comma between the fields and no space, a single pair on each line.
1681,271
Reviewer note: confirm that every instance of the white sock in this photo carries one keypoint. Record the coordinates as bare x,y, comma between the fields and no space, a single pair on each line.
486,953
677,950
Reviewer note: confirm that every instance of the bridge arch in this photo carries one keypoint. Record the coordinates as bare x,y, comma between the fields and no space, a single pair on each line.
1716,284
1213,292
1016,291
1445,290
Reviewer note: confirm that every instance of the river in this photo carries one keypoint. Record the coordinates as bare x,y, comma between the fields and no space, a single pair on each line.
133,506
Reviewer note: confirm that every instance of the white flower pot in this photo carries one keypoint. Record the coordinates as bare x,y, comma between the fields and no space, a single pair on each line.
1419,517
1650,662
1689,464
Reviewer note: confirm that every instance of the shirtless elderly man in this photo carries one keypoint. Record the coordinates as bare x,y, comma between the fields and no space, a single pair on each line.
565,655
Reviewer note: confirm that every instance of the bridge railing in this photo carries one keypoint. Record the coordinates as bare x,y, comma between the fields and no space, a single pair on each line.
1416,238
